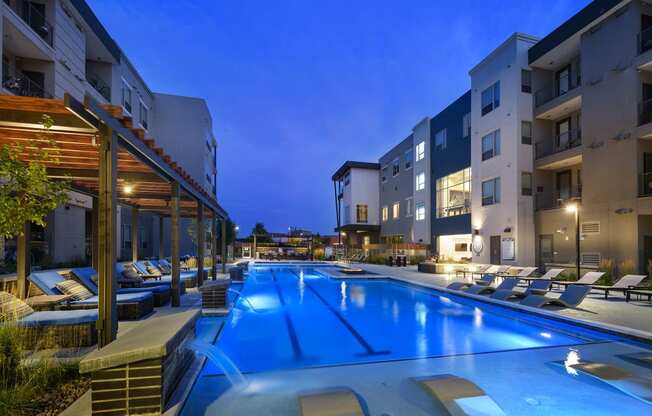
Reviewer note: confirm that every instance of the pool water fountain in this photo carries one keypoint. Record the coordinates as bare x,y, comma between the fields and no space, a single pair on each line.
247,301
221,360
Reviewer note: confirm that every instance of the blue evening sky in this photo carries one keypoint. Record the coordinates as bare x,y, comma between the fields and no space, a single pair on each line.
297,87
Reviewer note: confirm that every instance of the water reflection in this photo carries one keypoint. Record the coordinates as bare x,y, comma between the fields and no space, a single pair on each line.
572,358
477,317
343,293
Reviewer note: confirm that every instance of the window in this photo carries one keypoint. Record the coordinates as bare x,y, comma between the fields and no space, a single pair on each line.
383,174
347,179
440,140
421,181
396,166
421,151
408,159
526,132
460,247
126,96
454,194
408,207
526,81
526,184
144,115
420,211
491,98
491,145
396,210
491,191
466,125
361,213
385,216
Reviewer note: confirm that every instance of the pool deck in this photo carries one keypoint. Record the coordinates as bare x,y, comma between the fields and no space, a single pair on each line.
614,311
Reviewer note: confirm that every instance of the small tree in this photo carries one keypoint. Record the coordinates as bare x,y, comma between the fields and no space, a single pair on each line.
26,192
262,235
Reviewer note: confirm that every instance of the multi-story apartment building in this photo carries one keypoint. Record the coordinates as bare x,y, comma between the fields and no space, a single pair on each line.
53,47
397,185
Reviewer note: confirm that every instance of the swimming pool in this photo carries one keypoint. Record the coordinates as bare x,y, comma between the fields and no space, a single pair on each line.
295,323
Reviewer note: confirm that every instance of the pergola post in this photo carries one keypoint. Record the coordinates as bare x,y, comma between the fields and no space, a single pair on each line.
201,243
95,215
161,239
107,325
223,254
23,261
134,234
214,247
174,246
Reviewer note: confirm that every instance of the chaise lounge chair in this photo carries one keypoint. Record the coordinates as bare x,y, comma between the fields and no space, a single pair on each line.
549,275
570,298
131,306
486,280
341,401
187,279
639,293
525,272
537,287
625,283
49,329
508,283
84,275
589,278
494,270
459,396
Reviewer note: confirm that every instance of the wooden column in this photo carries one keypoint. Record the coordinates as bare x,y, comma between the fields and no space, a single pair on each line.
161,238
134,234
214,247
201,243
174,245
95,250
23,261
107,324
223,254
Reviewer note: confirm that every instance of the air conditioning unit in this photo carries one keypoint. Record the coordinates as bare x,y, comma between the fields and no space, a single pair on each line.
590,228
591,259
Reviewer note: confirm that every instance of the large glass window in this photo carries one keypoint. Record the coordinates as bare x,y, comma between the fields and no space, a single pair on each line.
420,181
526,81
396,167
526,183
491,145
491,98
491,191
440,140
396,210
362,212
421,151
144,116
126,97
408,159
420,211
466,125
454,194
385,213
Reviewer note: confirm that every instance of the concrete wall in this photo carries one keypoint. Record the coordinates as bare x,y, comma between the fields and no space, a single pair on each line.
398,189
362,190
421,228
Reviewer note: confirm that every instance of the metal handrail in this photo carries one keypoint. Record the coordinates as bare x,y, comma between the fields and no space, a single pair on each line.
20,84
554,90
34,19
556,201
559,143
100,86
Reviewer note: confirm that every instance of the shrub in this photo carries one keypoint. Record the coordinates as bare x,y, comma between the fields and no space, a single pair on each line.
417,259
625,267
377,259
10,353
608,267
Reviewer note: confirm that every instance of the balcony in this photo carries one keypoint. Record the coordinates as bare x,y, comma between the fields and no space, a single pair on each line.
645,184
557,199
645,112
18,83
99,85
34,15
559,151
559,98
559,88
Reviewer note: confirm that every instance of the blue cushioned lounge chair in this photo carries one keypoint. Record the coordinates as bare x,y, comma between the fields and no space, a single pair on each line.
130,305
188,278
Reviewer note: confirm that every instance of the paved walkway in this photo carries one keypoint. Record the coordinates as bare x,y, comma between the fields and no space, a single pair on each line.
615,311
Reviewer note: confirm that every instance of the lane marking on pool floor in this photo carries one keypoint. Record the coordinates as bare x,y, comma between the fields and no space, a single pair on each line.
294,340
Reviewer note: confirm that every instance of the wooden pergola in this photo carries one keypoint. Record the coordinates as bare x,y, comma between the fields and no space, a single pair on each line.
103,155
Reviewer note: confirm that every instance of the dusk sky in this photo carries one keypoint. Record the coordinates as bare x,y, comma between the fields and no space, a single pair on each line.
296,88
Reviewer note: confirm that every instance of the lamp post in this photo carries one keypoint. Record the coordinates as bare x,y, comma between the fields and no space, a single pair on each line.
574,208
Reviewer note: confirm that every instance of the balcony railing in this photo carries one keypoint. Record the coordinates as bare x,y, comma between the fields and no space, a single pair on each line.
644,112
34,19
645,184
644,40
100,86
558,199
20,84
557,144
556,89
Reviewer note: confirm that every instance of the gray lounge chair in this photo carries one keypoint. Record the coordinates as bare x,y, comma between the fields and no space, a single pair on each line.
626,282
537,287
639,293
341,401
486,280
549,275
570,298
508,283
589,278
459,396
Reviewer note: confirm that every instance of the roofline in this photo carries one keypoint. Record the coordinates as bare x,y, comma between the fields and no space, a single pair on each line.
350,164
399,144
570,27
91,19
514,36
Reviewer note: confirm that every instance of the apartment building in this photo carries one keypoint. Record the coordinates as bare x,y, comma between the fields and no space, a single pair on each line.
397,184
53,47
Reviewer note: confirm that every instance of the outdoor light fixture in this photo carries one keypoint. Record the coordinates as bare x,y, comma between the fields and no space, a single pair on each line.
128,189
571,208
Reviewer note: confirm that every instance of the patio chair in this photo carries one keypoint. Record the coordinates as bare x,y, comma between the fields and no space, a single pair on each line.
85,275
589,278
459,396
525,272
508,283
549,275
537,287
622,285
188,279
471,269
130,306
340,401
486,280
570,298
639,293
494,270
49,329
629,383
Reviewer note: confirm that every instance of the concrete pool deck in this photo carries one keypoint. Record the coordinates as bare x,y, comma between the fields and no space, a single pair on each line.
614,311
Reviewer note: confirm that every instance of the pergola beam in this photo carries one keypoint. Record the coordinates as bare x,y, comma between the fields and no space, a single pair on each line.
223,254
176,263
23,261
201,243
134,234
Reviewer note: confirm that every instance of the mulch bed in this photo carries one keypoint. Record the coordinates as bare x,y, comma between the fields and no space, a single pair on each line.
55,401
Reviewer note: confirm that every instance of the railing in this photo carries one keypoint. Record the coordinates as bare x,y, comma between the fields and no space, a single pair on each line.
645,184
559,143
558,199
34,19
644,40
100,86
20,84
645,112
556,89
